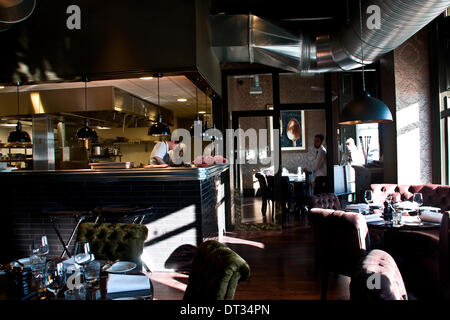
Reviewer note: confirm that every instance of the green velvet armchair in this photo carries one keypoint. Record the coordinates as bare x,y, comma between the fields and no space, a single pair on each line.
215,273
112,241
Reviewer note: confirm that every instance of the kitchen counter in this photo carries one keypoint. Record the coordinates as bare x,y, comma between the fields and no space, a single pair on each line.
189,205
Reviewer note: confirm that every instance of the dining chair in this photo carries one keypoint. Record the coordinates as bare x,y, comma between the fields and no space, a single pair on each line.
215,273
320,201
325,201
377,278
112,241
286,197
271,188
265,192
444,250
341,240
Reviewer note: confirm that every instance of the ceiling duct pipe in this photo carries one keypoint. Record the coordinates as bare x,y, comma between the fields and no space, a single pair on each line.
248,38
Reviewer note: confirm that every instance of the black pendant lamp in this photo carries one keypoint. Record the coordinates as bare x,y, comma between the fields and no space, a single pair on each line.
159,128
86,132
191,129
365,109
19,136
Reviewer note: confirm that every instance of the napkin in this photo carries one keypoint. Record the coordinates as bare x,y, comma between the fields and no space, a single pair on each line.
357,206
69,262
374,217
408,205
124,282
430,216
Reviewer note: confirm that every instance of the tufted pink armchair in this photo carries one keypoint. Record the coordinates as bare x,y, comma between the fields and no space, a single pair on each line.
341,239
378,278
424,252
325,201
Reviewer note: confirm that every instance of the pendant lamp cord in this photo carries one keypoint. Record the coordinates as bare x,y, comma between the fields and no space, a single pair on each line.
18,98
85,94
362,47
196,102
159,107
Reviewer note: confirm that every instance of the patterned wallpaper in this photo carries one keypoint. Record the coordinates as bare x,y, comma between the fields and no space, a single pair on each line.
412,81
315,123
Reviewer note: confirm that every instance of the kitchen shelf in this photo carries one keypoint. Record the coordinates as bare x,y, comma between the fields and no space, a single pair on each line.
16,146
24,160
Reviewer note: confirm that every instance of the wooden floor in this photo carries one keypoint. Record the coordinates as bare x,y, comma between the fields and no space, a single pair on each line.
281,265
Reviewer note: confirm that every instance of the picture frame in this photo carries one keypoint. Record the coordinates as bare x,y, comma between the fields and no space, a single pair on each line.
293,130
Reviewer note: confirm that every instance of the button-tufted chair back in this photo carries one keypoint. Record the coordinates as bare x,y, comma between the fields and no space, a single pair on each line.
215,273
325,201
377,278
433,194
112,241
341,239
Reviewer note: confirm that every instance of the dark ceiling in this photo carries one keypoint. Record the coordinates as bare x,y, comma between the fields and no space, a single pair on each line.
283,9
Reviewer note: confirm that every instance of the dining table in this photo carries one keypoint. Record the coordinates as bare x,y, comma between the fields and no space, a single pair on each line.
383,234
134,284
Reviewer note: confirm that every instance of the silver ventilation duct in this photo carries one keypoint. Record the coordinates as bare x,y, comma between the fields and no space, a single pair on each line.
248,38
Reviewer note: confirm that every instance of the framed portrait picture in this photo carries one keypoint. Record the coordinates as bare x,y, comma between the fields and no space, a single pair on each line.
292,135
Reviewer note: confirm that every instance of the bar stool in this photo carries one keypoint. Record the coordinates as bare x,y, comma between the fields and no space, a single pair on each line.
123,213
79,215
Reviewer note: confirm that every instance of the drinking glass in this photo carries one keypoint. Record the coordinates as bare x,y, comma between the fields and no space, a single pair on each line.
418,200
92,273
55,277
39,251
368,196
397,217
82,257
75,294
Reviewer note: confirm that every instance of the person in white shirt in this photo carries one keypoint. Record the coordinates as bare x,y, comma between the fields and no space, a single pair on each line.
161,152
352,156
319,166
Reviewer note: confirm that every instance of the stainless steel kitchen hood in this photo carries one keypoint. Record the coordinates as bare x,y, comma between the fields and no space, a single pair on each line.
108,104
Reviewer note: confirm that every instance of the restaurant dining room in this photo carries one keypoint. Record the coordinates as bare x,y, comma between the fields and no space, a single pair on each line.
224,155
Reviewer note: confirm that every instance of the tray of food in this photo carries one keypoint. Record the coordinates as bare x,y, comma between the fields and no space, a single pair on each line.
112,165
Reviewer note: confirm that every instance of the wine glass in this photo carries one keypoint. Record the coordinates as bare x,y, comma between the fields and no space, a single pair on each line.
418,200
83,254
368,196
55,276
40,248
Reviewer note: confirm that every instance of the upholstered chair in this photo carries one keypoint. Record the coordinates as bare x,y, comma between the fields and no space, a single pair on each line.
325,201
264,190
215,273
444,251
110,241
377,278
341,240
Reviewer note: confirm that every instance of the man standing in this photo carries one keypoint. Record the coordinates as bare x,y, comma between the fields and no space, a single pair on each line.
319,167
161,152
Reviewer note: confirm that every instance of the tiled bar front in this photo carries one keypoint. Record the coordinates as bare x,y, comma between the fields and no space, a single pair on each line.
189,205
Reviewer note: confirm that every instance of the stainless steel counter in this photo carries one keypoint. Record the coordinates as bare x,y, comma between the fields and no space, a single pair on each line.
161,174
